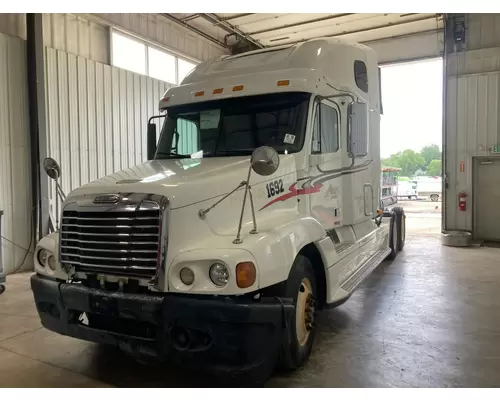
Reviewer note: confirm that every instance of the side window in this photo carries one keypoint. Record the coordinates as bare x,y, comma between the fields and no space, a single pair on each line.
186,142
325,130
361,75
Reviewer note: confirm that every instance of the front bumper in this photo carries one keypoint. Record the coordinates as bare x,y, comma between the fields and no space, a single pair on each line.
224,334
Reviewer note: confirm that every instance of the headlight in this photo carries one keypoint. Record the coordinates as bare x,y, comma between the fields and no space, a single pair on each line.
187,276
219,274
52,263
42,256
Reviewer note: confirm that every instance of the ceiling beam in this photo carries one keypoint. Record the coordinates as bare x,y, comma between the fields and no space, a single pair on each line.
195,30
311,21
374,28
226,19
218,21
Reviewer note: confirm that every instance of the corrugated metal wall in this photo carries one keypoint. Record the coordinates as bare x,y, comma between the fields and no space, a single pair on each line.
97,117
167,33
15,174
87,35
473,125
13,25
472,111
77,35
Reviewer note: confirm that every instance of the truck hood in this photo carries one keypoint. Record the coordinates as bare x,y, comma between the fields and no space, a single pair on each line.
184,181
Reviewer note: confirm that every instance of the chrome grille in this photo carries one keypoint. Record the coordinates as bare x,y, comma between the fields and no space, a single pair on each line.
121,239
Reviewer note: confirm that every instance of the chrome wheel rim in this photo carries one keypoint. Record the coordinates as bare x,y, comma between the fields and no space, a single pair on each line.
304,315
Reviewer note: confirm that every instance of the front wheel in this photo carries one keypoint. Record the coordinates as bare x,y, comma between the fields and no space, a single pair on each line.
434,197
301,286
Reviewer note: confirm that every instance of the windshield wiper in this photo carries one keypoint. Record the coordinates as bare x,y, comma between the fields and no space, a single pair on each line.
173,155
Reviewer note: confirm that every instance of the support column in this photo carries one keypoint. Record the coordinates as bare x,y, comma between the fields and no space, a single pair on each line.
37,122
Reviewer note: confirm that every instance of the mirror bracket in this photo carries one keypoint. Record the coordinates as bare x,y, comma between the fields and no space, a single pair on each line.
264,161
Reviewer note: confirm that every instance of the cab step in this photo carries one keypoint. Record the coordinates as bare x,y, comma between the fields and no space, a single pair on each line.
342,247
365,270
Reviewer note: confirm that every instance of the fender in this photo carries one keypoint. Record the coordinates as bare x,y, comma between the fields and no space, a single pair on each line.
275,251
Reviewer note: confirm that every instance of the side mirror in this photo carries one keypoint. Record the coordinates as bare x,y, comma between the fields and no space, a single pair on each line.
52,168
265,160
151,140
358,138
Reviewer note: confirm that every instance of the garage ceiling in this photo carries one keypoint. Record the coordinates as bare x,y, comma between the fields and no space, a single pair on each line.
268,30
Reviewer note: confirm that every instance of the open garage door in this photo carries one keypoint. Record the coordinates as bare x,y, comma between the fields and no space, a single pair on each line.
395,37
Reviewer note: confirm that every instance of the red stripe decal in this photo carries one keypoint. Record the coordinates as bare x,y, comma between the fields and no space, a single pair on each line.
293,192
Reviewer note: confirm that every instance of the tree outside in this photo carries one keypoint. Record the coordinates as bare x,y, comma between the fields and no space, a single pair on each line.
427,161
430,153
434,168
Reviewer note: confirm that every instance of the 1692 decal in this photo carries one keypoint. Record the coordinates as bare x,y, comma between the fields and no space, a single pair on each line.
274,188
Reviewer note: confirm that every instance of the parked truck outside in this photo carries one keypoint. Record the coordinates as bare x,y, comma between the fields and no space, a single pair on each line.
258,206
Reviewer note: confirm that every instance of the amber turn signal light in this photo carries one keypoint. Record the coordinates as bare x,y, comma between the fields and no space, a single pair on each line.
245,274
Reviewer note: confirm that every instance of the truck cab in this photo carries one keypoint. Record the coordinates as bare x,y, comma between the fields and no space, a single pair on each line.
257,207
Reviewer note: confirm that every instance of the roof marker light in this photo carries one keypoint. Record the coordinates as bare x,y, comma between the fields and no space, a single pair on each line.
165,99
238,88
200,93
284,82
218,91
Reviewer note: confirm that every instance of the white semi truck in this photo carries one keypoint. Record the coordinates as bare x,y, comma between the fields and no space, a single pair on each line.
258,206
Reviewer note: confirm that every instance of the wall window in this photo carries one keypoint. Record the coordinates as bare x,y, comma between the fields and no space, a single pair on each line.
138,56
161,65
325,130
129,53
185,68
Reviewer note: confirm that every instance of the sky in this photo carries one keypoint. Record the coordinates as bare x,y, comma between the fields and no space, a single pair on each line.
412,105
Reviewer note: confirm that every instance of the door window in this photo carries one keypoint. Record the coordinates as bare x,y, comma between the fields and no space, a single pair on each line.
325,130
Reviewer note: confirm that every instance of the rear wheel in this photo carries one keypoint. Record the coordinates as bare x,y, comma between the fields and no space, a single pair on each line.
401,225
393,237
301,286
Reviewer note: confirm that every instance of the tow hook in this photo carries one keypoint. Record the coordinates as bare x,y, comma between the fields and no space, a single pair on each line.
180,338
185,339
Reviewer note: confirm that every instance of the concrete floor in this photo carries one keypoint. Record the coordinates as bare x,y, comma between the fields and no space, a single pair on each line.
428,319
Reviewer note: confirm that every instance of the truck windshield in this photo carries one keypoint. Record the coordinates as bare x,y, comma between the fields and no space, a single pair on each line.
235,127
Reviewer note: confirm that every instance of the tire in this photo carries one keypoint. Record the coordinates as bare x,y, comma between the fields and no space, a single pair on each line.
434,197
393,237
2,289
301,286
401,224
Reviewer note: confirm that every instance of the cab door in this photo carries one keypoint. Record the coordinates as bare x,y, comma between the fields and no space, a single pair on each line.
325,166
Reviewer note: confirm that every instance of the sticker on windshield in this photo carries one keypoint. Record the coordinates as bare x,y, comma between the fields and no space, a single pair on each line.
209,119
198,154
289,138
